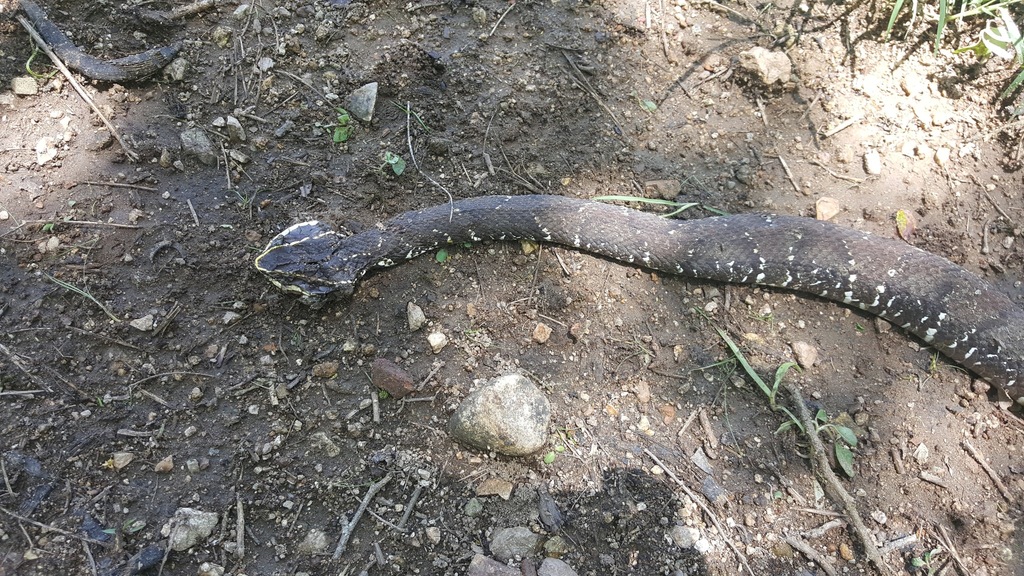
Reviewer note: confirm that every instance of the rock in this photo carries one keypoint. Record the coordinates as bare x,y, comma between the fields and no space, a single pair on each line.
554,567
314,543
194,141
24,85
481,565
235,131
143,324
322,441
327,369
509,415
684,536
165,465
541,333
872,162
415,316
473,508
230,317
188,527
714,491
766,66
513,543
46,150
479,15
433,534
265,64
826,208
437,341
549,514
388,376
210,569
942,156
495,487
805,354
361,102
176,70
664,189
222,36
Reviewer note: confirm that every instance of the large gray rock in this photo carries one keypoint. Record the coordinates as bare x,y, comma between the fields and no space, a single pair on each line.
483,566
189,527
513,543
194,141
509,415
555,567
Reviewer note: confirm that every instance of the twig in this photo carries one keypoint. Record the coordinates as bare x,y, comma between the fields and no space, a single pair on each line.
831,484
346,532
78,87
195,217
162,374
980,459
21,392
842,126
835,175
410,506
21,366
412,156
116,185
240,528
52,528
785,168
84,223
703,506
804,548
948,543
997,207
500,18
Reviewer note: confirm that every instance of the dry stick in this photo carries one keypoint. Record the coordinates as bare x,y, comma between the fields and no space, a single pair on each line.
500,18
948,543
703,506
843,126
412,155
78,87
117,185
804,548
409,507
831,484
240,525
21,366
346,532
980,459
785,168
53,528
84,223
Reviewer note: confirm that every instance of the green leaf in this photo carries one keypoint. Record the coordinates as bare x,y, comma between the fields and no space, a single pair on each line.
845,458
48,227
847,435
943,18
398,166
549,457
917,562
892,18
649,105
341,134
441,256
784,426
821,415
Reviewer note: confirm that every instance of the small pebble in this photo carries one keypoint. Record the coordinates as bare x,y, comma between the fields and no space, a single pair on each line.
437,341
873,162
416,317
541,333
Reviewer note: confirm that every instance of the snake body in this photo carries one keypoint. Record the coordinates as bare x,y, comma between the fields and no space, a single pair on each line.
129,68
949,308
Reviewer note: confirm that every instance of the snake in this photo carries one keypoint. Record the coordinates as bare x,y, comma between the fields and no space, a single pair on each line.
949,308
127,69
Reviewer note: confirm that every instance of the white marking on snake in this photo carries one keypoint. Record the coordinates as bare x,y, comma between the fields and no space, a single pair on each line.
942,316
970,353
929,334
759,278
892,273
848,297
853,278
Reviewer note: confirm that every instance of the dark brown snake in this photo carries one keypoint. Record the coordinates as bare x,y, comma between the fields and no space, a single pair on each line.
947,307
127,69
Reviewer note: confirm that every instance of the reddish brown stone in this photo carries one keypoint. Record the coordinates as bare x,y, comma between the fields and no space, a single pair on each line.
391,378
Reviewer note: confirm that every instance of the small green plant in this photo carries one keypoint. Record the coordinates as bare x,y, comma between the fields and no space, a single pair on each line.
927,561
442,256
84,294
395,161
842,440
342,126
1000,36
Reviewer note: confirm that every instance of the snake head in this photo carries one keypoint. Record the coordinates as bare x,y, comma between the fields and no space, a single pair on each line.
300,260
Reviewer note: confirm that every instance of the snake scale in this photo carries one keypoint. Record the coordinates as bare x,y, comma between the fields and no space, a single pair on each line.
947,307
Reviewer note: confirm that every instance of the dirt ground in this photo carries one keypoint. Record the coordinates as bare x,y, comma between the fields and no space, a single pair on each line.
240,401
